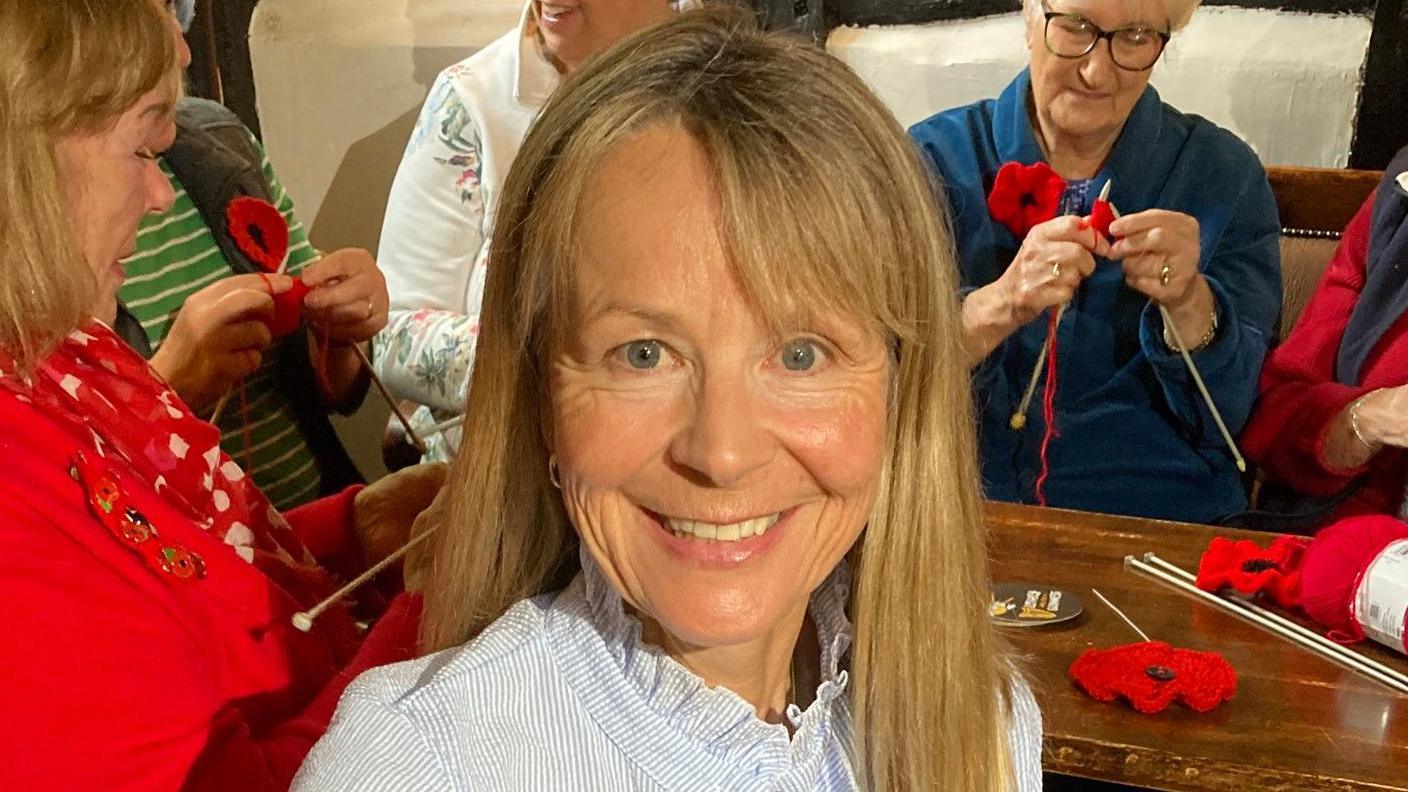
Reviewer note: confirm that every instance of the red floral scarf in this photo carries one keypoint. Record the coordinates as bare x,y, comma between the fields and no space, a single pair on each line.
99,386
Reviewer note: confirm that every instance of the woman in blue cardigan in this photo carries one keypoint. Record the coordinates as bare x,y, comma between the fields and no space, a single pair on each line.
1199,236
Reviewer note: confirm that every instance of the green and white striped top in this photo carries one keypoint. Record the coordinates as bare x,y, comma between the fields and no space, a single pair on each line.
176,256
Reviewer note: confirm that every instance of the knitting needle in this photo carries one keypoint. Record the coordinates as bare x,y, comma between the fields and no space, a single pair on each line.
385,392
1195,374
1351,657
220,406
1120,614
303,620
1358,663
445,426
1019,418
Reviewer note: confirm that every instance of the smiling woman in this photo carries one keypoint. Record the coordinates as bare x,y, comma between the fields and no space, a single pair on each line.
719,527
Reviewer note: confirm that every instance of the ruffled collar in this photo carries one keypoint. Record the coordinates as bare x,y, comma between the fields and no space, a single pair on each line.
653,708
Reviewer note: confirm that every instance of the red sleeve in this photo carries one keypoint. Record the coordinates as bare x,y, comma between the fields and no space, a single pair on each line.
325,525
1298,396
112,681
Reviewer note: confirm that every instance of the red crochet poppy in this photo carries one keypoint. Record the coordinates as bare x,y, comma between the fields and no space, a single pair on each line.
1249,569
1025,196
260,232
1151,675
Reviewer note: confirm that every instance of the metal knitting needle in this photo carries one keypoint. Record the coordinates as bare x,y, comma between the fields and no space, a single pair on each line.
1271,623
1019,418
1313,640
1198,379
303,620
1120,614
385,392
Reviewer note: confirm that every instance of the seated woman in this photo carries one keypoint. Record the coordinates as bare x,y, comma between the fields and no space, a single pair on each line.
709,439
1333,408
148,584
1199,236
440,214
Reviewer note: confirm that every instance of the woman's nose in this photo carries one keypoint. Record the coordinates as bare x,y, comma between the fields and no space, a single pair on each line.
160,195
1097,68
725,440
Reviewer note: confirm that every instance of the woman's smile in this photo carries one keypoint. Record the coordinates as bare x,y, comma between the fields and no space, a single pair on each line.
705,544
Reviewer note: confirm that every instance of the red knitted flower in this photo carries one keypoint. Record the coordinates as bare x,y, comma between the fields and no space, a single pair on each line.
1249,569
1024,196
1152,675
260,232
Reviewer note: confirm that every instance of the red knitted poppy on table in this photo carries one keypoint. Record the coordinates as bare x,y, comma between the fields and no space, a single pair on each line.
1152,675
1025,196
1248,568
261,234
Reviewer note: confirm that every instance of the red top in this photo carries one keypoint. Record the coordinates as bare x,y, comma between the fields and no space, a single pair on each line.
1300,398
118,675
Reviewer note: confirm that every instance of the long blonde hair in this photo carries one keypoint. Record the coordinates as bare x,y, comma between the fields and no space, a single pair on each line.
66,67
825,203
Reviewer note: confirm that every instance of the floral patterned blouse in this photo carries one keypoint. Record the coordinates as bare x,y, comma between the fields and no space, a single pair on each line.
440,216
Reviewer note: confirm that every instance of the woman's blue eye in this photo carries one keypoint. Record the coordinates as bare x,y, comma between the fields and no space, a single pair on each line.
643,354
799,355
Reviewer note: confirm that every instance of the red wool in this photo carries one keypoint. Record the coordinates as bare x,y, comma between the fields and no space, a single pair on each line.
1152,675
259,230
1101,216
1248,569
1335,564
1048,407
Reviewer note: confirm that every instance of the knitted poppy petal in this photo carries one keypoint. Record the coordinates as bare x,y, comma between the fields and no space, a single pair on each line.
259,231
1152,675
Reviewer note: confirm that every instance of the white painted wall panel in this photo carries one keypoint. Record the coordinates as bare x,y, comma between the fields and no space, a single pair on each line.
1287,83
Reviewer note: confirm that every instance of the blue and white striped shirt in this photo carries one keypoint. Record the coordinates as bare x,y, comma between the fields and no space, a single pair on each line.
561,694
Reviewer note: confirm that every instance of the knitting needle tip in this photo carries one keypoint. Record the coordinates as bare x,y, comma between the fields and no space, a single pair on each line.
1018,422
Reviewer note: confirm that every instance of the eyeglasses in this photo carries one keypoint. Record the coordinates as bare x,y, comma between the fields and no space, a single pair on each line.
1135,48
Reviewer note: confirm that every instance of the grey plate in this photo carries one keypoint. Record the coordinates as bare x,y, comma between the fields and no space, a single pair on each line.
1032,605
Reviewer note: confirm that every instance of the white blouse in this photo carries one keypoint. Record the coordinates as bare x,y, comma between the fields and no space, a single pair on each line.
560,693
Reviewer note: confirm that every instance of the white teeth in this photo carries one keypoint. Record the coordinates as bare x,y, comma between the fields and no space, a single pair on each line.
721,533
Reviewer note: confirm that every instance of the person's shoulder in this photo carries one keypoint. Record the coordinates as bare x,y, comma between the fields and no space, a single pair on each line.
515,642
957,126
1211,143
481,75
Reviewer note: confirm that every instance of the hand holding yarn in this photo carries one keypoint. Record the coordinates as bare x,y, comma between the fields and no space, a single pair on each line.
219,335
1160,251
348,300
261,233
1054,259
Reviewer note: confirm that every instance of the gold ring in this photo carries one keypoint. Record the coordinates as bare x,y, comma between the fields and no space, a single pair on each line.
1165,274
1055,268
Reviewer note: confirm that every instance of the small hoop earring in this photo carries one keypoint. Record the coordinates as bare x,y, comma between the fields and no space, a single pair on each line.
553,475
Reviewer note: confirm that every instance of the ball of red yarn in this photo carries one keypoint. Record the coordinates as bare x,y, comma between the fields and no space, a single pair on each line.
1335,563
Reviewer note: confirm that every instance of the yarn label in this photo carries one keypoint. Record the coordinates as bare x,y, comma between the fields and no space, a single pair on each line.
1381,603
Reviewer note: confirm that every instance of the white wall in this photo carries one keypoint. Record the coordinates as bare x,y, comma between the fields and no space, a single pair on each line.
1287,83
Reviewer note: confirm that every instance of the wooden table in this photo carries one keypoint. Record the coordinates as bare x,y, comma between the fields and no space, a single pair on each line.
1298,722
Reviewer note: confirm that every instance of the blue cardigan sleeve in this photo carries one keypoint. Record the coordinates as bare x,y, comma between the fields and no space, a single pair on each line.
1241,261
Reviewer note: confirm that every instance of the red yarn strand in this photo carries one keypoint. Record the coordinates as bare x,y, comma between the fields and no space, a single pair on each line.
1048,407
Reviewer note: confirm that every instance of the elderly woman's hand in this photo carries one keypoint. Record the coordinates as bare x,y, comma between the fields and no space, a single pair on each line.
348,300
1160,251
1054,259
385,511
